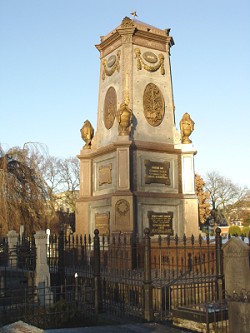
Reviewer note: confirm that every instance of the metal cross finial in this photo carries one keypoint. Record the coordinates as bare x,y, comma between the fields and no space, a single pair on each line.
134,14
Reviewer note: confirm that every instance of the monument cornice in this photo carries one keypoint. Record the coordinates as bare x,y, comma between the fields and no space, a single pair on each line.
103,150
158,195
105,196
139,37
135,145
155,147
144,38
113,40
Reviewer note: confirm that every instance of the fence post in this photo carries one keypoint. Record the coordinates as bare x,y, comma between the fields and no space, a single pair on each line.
97,275
219,266
61,263
148,303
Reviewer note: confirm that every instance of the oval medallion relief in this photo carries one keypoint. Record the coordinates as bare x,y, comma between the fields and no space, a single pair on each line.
150,57
110,107
153,105
111,61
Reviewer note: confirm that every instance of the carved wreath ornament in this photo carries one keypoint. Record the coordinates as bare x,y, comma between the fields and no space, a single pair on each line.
150,68
122,207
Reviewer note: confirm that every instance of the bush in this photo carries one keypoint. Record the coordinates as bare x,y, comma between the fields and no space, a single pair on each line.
234,230
245,231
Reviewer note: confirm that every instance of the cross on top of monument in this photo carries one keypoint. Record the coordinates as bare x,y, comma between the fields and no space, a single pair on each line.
134,13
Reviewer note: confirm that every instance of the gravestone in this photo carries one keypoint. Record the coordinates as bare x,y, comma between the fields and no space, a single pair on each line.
237,284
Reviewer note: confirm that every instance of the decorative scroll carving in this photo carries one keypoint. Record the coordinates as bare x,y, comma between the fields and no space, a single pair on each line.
116,66
105,174
153,104
186,127
102,223
110,107
87,133
124,117
141,64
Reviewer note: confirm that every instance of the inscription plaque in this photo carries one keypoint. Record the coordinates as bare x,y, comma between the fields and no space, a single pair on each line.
157,172
105,174
102,223
161,223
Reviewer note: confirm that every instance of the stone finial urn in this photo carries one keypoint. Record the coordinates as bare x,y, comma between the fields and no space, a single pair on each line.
87,133
186,127
124,117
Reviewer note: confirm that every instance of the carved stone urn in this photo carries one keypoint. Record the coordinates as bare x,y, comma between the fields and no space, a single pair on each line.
186,127
87,134
124,118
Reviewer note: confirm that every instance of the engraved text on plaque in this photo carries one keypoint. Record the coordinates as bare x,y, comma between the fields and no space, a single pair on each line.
160,223
157,172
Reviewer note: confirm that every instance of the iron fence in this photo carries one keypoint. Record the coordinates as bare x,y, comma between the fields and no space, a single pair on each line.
154,278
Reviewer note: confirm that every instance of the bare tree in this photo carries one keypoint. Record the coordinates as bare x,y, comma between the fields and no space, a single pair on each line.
224,194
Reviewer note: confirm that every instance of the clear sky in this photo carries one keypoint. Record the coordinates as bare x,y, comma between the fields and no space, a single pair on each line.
49,73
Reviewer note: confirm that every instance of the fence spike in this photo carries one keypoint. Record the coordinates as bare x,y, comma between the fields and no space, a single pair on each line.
192,239
176,239
184,240
208,239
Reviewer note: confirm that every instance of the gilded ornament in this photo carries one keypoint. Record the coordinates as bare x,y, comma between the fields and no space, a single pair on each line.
124,117
186,127
127,23
110,107
87,133
141,64
122,207
153,105
112,68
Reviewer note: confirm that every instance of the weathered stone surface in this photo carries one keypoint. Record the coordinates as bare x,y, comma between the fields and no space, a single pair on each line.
239,319
20,327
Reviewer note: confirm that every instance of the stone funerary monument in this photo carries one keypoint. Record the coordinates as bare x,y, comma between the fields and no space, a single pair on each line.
137,170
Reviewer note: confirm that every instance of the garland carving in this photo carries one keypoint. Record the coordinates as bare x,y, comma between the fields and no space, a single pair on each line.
141,63
115,67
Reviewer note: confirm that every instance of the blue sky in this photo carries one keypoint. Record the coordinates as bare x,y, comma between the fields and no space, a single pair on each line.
49,73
